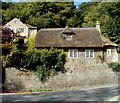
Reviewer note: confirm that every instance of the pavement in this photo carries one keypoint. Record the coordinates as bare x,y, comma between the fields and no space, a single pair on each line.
99,93
114,98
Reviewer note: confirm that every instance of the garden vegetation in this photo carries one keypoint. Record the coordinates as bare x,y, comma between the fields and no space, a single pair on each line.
44,62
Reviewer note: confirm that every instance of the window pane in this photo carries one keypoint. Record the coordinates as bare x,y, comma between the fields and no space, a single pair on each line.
108,52
21,29
67,35
71,53
87,53
75,53
91,53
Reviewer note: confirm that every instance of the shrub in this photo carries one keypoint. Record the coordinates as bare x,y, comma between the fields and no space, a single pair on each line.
114,66
30,44
15,60
17,54
19,45
53,58
31,60
6,49
44,62
42,73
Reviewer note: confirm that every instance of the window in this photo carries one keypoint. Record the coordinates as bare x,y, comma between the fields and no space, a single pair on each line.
89,53
67,36
21,29
73,53
109,53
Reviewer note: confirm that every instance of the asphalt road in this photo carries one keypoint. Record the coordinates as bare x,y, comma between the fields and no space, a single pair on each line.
101,93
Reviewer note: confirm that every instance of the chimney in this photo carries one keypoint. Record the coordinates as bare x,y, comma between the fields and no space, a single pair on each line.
98,25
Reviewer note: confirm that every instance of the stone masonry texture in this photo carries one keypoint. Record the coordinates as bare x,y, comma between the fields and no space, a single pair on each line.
76,76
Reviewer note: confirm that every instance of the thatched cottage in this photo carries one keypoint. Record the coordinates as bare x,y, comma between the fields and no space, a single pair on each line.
81,44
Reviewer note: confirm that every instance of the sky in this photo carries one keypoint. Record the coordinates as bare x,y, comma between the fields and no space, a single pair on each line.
76,2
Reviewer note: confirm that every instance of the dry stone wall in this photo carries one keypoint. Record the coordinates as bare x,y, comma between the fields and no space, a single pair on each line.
76,76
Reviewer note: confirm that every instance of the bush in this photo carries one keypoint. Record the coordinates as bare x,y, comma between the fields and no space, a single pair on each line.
114,66
15,60
31,60
17,54
19,45
44,62
30,44
6,49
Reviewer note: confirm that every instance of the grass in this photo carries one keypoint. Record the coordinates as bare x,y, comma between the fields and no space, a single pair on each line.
38,90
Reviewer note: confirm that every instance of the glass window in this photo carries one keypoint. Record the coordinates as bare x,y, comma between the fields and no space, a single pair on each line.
109,53
67,35
73,53
21,29
89,53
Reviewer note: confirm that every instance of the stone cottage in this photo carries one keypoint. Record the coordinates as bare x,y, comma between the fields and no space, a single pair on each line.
83,45
25,30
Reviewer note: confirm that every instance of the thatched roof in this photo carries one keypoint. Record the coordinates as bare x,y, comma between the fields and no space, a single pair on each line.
83,37
107,41
67,30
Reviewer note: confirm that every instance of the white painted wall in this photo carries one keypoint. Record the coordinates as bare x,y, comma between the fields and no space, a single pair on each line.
15,24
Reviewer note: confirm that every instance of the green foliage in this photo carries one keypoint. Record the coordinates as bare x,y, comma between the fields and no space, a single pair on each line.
108,16
15,60
42,14
101,58
38,90
19,45
17,53
52,60
30,44
6,49
44,62
31,60
42,72
114,66
118,49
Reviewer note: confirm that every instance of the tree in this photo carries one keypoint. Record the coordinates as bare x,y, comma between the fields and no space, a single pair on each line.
7,35
108,16
43,14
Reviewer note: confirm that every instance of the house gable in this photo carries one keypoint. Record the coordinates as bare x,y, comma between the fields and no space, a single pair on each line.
24,29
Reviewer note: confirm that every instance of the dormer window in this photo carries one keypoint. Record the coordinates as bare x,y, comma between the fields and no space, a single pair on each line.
67,36
67,33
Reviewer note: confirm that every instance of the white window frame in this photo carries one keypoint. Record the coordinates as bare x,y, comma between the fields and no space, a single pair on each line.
20,29
73,50
89,53
109,52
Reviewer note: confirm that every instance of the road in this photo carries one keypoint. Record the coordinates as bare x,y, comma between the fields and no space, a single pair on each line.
100,93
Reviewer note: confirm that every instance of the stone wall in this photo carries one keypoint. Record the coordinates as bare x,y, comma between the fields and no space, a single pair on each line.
81,56
114,57
76,76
